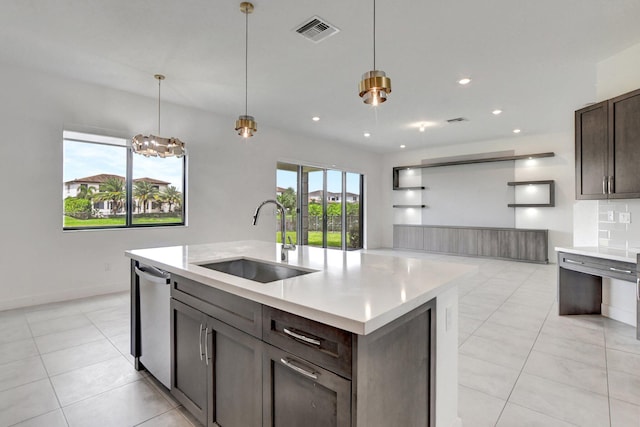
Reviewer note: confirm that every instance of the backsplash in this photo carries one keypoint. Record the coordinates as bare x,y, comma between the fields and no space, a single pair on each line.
613,230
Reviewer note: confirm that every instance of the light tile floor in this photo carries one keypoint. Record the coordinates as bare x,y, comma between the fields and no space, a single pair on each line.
520,364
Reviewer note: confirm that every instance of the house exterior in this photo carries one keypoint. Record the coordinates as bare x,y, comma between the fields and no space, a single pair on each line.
316,197
74,187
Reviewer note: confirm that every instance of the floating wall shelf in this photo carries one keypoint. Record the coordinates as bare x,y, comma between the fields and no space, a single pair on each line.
409,188
397,169
552,194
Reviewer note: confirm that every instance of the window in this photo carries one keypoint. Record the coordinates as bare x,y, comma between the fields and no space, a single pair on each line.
107,186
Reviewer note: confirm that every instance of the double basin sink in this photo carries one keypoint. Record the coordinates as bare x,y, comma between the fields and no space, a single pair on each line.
257,271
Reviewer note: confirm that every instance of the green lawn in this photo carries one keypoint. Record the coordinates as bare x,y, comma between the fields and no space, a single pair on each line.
315,238
106,222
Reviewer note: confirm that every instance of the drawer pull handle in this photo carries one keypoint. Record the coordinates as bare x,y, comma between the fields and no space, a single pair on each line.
206,345
620,270
298,369
200,341
302,337
638,288
570,261
604,185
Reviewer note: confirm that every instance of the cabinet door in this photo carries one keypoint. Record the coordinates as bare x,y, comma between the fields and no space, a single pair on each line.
298,393
189,371
407,237
236,367
624,145
592,151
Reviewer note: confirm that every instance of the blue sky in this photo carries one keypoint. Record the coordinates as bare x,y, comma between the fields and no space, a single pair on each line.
288,179
83,159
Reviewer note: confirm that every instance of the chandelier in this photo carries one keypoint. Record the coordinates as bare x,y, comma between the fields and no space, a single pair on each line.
157,146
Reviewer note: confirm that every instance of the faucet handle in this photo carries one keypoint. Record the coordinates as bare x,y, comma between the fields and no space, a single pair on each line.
292,246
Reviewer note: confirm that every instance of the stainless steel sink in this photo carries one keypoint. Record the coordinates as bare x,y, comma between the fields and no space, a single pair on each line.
255,270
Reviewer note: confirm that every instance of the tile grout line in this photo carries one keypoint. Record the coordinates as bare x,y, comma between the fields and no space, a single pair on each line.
606,362
525,361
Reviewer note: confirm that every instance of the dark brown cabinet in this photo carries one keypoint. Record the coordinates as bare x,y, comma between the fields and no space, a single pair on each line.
189,370
608,149
299,393
254,365
212,364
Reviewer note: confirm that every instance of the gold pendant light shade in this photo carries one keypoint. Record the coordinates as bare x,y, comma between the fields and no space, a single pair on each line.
374,87
246,126
157,146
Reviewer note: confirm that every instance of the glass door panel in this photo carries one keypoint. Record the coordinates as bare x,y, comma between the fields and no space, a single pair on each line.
313,206
335,204
353,201
287,194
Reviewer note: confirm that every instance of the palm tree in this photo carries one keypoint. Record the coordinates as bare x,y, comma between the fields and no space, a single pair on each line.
144,191
171,196
85,192
112,190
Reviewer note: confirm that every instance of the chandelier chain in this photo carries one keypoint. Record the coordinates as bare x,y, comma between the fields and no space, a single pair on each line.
159,83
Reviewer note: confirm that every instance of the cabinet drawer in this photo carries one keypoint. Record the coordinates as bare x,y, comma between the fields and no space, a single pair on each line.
598,266
238,312
299,393
318,343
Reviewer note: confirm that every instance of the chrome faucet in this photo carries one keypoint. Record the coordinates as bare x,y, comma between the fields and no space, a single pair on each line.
284,252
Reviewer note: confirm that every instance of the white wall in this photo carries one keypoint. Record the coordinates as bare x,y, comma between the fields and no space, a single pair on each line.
227,178
618,75
561,169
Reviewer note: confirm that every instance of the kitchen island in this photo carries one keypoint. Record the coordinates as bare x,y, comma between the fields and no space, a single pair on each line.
355,340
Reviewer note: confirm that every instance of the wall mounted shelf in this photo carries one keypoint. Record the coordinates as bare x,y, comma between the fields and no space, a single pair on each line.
410,206
409,188
397,169
552,194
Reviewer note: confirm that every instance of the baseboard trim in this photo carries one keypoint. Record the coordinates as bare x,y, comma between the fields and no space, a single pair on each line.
618,314
64,295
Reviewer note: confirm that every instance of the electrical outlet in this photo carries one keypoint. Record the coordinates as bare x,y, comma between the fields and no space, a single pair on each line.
107,267
610,216
625,217
448,321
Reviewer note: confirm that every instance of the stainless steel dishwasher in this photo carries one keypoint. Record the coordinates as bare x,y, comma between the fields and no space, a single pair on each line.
155,352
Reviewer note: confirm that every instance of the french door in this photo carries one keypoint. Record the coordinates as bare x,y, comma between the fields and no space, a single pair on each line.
324,206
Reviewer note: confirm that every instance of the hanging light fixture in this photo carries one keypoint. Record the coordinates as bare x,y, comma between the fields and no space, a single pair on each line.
156,146
246,124
375,85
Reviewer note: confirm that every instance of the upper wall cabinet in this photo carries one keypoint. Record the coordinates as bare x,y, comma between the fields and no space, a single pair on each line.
608,149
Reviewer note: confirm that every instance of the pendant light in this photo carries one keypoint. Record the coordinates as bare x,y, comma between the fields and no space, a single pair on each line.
156,146
246,124
375,85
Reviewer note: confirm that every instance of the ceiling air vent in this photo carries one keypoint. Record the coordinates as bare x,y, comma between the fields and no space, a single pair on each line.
457,119
316,29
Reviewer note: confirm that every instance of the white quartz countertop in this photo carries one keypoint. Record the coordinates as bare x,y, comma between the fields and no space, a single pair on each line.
354,291
630,255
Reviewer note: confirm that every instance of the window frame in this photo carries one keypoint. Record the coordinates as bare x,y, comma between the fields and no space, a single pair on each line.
128,187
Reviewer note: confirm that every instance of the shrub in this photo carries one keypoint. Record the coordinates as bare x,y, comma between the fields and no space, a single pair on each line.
77,208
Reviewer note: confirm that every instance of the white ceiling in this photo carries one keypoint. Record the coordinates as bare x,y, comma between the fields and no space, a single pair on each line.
533,59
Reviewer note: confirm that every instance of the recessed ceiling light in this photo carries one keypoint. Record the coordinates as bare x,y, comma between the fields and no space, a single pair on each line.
315,118
497,112
517,131
421,128
464,81
367,134
402,146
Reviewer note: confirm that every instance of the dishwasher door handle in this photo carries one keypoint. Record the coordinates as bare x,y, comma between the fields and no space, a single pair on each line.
161,280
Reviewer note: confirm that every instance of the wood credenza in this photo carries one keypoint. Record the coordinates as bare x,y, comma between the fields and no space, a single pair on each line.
504,243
